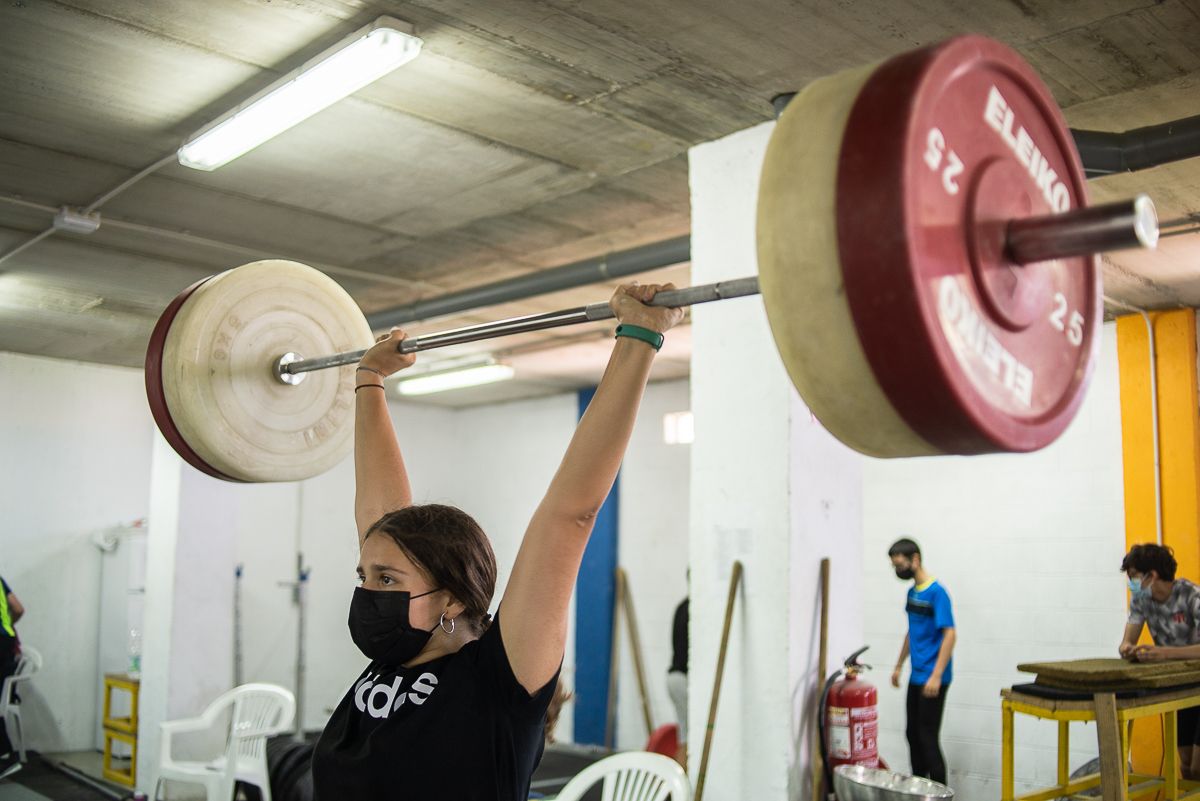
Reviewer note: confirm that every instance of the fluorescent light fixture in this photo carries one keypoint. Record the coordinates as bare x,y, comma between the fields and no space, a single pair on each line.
455,379
364,56
679,428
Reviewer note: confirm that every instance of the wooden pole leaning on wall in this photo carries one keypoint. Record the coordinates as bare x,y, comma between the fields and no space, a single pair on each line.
623,599
735,579
635,645
818,758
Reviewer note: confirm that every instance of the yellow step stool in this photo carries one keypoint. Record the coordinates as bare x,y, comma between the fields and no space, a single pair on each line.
121,729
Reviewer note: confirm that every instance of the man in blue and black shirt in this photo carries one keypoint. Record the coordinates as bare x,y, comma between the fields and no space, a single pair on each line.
929,643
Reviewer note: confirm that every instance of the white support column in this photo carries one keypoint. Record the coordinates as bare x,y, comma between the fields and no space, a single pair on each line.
187,647
826,508
770,488
162,535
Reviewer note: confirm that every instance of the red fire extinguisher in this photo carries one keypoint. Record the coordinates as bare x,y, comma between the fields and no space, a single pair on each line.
850,713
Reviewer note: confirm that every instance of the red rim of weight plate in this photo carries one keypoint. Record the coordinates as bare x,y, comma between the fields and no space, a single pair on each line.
154,388
898,239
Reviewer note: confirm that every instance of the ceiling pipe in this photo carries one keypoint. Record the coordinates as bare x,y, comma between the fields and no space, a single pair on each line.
1102,154
581,273
1106,153
89,208
779,102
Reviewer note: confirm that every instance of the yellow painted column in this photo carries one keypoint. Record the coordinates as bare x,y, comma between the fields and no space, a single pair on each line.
1179,457
1179,437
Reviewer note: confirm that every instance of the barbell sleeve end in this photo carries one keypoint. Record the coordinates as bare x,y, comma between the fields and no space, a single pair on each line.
1084,231
1145,224
282,370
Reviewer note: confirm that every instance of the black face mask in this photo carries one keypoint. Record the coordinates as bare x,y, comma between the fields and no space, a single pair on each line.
904,573
380,628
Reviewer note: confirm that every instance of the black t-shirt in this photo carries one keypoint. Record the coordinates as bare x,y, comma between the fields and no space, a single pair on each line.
459,727
679,639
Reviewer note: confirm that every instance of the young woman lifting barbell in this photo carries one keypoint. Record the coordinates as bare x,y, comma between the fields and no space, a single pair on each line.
453,704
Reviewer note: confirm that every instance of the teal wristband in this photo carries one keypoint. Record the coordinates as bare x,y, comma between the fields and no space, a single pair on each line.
653,338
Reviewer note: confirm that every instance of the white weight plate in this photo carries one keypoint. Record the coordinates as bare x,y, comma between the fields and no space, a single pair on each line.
217,371
801,275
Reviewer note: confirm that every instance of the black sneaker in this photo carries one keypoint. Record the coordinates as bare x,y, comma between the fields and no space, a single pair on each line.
10,763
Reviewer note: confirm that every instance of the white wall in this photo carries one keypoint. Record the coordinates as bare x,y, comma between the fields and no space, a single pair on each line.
827,522
1028,547
770,488
120,611
200,528
78,444
741,482
497,467
495,462
653,550
75,441
316,517
189,603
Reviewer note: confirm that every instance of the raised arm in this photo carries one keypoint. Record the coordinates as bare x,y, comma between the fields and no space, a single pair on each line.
534,620
380,480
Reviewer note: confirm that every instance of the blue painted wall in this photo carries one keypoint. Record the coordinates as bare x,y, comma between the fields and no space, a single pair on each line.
594,593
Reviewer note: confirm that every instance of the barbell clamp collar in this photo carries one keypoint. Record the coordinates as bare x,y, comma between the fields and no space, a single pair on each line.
281,371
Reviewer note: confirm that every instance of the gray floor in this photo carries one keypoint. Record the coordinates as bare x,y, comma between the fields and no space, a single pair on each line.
89,762
92,762
38,780
15,792
559,764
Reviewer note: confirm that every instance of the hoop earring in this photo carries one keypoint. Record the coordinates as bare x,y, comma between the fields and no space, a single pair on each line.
442,624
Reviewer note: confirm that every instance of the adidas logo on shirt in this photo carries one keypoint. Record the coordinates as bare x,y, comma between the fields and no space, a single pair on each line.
380,700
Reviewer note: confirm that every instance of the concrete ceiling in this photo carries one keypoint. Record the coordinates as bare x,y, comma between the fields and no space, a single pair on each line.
528,134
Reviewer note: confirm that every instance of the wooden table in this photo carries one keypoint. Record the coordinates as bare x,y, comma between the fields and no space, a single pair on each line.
1112,716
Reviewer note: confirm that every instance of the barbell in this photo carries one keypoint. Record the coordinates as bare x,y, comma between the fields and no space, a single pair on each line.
926,257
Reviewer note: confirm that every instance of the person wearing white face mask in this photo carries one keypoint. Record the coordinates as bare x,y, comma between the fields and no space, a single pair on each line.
1170,607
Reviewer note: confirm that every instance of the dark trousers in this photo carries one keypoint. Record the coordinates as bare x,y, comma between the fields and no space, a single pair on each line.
924,723
1187,733
8,666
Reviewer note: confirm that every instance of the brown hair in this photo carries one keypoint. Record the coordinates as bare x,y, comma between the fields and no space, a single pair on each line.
453,551
1150,556
560,697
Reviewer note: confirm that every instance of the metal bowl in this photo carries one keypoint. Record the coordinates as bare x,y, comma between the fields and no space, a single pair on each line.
857,783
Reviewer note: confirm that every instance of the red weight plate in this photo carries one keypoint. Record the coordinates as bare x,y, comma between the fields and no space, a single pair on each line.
154,388
943,146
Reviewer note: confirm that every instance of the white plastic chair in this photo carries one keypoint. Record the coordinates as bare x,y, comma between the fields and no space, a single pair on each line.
631,776
29,663
259,711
